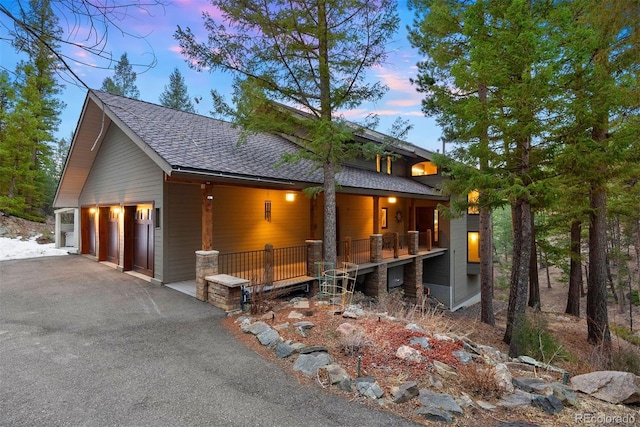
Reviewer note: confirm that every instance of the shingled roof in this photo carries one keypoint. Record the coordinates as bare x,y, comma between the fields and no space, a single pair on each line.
191,143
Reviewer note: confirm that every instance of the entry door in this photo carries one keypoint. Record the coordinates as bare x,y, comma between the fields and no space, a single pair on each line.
113,238
424,222
143,241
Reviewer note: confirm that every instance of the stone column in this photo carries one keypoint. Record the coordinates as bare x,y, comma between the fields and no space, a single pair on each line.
376,282
376,247
206,265
413,242
412,286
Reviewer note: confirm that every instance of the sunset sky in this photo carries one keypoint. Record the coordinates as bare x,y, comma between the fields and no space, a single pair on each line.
158,25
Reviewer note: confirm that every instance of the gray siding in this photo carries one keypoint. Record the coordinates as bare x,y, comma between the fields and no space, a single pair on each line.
183,230
464,286
123,175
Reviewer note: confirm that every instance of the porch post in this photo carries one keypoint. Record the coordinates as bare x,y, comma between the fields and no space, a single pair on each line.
376,215
206,265
376,282
413,242
375,247
207,216
412,286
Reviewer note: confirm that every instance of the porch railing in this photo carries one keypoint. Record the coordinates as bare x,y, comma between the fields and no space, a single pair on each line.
263,267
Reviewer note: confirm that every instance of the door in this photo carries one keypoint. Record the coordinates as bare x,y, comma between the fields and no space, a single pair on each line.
113,238
424,222
143,240
88,231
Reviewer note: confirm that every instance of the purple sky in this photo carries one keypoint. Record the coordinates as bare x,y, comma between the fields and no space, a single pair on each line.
158,26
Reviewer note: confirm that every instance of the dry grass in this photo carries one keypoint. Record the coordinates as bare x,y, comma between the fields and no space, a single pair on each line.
479,380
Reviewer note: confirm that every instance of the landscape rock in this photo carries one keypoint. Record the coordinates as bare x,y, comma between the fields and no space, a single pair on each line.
269,338
257,328
305,324
309,364
295,315
301,303
549,404
409,354
353,312
284,349
346,385
434,382
281,327
434,414
517,398
503,377
462,356
269,315
532,385
441,337
444,370
313,349
485,405
406,392
346,329
443,402
336,373
565,393
492,354
367,386
464,400
421,341
414,328
611,386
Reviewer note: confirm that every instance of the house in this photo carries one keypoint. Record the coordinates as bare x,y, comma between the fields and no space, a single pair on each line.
151,186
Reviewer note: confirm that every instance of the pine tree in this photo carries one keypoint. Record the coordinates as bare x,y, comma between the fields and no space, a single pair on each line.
123,82
311,54
175,95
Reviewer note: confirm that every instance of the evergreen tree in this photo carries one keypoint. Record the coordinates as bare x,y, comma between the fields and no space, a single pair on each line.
34,118
175,95
123,82
311,54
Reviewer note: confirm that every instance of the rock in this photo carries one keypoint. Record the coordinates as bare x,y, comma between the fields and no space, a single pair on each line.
517,398
295,315
421,341
532,385
335,373
434,382
367,386
281,327
434,414
464,400
485,405
269,315
345,385
611,386
549,404
269,338
492,354
309,364
257,328
305,324
346,329
245,325
438,400
565,393
415,328
503,376
409,354
313,349
353,312
444,370
441,337
462,356
301,303
406,392
284,349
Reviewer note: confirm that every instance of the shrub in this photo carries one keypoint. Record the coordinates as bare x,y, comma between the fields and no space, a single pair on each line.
479,380
535,340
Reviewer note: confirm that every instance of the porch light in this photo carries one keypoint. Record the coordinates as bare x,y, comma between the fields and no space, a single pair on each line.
392,199
116,210
92,210
290,197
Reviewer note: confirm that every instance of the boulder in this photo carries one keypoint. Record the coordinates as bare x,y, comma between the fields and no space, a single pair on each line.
549,404
367,386
309,364
346,329
444,370
409,354
256,328
335,373
415,328
517,398
269,338
502,374
440,401
421,341
532,385
405,392
611,386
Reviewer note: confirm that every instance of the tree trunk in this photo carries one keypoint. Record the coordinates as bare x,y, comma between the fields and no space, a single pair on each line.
534,279
597,316
575,271
486,267
329,238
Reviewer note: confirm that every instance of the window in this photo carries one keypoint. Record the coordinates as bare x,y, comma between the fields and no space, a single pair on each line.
436,228
424,168
378,158
389,165
473,246
472,200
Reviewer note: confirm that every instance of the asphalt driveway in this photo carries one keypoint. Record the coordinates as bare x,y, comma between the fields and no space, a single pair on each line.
82,344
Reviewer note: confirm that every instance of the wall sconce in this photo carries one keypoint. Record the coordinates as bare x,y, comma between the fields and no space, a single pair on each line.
392,199
267,210
290,197
92,210
116,210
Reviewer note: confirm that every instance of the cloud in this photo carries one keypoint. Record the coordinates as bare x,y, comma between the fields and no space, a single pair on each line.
407,103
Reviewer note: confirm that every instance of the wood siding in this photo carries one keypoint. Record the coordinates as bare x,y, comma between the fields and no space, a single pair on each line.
123,175
239,222
356,216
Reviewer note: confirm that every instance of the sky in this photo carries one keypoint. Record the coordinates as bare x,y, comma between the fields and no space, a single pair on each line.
158,25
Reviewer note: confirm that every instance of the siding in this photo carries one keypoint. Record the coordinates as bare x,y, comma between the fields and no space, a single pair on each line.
183,231
239,222
356,216
123,175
